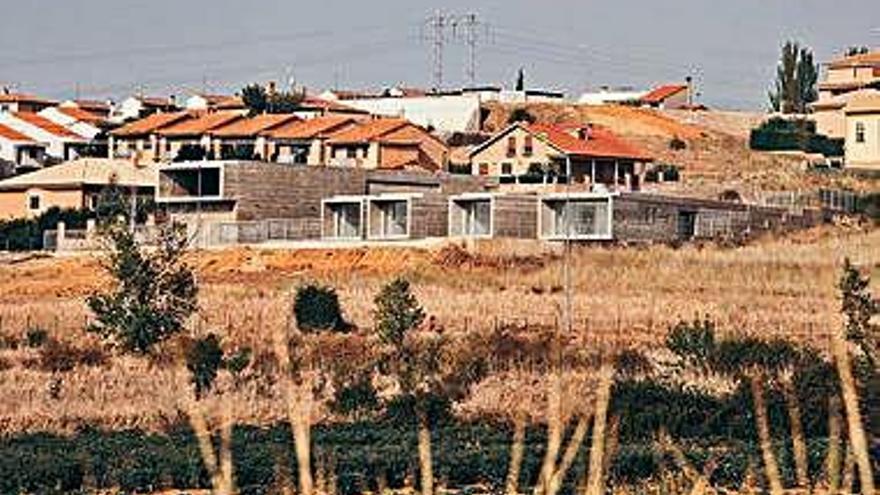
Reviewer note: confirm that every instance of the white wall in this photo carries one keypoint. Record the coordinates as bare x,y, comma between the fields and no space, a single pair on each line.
454,113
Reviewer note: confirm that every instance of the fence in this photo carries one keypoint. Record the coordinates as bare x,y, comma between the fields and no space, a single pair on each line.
254,232
837,200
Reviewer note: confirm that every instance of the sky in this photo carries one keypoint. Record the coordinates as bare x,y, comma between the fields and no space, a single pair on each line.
113,48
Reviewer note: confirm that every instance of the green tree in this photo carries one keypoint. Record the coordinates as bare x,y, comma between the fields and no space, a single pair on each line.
397,312
796,78
204,358
520,115
255,99
859,308
154,290
258,100
852,51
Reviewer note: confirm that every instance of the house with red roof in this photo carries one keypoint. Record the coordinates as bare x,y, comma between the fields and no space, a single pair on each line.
667,96
591,154
195,131
19,150
387,143
22,102
303,141
61,142
77,120
140,138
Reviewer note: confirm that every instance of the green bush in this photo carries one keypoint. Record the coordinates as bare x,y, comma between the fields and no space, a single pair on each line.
316,308
36,337
869,205
27,234
670,173
204,358
779,134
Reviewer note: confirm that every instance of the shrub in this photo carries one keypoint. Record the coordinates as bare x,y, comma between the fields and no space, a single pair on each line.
36,337
204,357
317,308
190,153
357,399
869,205
677,144
397,312
521,115
670,173
56,356
779,134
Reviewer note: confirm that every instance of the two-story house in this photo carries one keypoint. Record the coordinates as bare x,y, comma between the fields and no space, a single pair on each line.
844,79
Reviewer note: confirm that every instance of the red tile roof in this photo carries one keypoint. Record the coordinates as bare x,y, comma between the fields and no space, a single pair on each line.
600,142
660,93
368,131
47,125
94,106
24,98
313,102
251,127
202,124
318,127
13,135
151,123
81,115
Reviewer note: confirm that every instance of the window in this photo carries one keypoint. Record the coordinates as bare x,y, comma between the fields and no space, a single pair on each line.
527,146
650,214
511,146
484,169
477,218
860,132
351,152
506,168
34,202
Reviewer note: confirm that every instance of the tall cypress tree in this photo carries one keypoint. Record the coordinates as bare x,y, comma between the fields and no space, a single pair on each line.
796,77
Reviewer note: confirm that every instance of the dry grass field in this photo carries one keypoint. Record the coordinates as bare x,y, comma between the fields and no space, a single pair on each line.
627,296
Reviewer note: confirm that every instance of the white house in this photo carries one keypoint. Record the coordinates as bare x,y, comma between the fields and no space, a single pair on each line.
62,143
73,119
135,107
20,150
445,113
606,95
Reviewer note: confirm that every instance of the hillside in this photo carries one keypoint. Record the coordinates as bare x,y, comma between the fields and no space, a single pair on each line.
716,157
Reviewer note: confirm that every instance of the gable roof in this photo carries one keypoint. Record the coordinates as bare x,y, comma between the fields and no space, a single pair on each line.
93,106
252,126
368,131
150,124
317,127
47,125
870,59
601,142
314,102
864,103
88,171
660,93
199,125
81,115
11,134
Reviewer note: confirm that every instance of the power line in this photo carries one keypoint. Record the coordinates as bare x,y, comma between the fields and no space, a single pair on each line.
473,30
437,25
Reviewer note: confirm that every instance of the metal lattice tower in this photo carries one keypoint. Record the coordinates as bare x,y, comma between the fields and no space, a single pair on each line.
470,27
437,25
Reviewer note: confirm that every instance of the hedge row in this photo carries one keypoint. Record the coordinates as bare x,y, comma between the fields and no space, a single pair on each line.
793,135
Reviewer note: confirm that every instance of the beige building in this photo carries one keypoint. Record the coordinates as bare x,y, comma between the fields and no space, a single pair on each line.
595,155
863,133
388,144
304,142
139,138
76,184
844,78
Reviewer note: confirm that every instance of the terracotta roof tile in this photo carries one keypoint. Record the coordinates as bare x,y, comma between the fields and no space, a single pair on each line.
13,135
251,127
24,98
317,127
151,123
660,93
47,125
202,124
600,143
310,102
870,59
82,115
368,131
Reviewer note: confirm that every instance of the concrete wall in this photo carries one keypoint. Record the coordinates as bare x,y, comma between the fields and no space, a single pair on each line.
429,217
515,215
865,155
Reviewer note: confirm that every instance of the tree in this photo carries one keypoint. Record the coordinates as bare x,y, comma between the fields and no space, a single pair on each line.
204,358
427,370
796,78
857,50
521,80
154,293
258,100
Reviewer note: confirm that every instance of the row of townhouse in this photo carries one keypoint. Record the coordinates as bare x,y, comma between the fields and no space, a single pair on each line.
848,108
331,139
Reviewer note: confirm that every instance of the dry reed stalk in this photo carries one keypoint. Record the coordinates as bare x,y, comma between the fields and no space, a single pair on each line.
554,431
227,486
517,449
762,424
832,462
298,412
798,442
611,445
600,417
426,469
568,455
857,438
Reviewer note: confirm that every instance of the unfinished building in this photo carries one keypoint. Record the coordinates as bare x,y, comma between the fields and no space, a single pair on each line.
387,216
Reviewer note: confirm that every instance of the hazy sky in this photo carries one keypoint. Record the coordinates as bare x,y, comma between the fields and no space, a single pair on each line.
109,47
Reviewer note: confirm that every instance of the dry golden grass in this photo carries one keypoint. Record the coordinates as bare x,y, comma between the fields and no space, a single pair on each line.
783,287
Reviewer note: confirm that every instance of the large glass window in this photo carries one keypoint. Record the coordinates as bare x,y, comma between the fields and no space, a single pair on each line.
394,218
348,221
580,218
477,218
860,132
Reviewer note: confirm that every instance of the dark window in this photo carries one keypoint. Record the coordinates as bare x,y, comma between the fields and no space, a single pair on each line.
860,132
351,152
484,169
506,169
528,146
511,146
34,202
